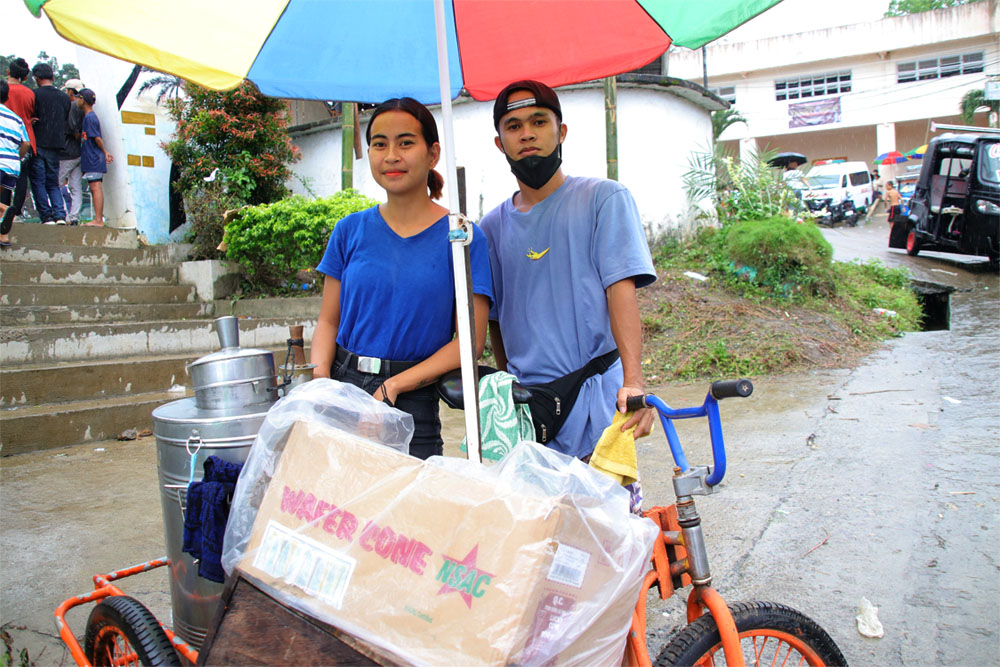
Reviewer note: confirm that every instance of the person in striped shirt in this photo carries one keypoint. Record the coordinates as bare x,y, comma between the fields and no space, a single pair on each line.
14,145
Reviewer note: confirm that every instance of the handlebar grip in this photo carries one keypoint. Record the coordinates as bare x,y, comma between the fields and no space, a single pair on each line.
633,403
731,389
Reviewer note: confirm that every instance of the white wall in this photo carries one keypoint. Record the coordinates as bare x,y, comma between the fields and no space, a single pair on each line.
135,195
657,131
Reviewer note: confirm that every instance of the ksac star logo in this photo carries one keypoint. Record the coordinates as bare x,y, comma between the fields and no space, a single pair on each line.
464,577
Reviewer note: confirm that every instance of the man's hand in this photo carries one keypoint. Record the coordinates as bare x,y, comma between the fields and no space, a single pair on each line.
641,419
109,158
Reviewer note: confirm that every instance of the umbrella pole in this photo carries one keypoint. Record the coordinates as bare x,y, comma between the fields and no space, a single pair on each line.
460,236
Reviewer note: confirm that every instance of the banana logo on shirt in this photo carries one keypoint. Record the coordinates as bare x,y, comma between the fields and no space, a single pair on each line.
535,256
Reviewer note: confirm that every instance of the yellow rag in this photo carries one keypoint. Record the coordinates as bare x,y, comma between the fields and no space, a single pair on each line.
615,452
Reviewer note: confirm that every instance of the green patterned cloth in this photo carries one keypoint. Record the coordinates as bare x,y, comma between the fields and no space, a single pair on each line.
504,423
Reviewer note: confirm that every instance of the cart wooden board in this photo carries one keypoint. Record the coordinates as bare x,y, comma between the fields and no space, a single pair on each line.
252,628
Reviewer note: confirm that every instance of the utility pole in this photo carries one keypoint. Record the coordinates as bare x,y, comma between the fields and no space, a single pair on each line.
611,125
704,67
347,111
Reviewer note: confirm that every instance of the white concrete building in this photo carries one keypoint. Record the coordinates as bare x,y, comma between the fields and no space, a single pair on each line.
660,123
854,91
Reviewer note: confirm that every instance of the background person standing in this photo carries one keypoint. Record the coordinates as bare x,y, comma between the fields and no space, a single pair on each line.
52,113
94,158
70,173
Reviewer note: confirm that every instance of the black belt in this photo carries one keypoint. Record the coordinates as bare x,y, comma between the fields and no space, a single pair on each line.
373,365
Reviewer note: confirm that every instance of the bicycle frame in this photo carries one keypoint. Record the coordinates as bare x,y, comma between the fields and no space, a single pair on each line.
679,556
104,588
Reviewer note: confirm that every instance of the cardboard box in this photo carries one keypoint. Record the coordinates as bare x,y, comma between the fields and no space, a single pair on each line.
437,566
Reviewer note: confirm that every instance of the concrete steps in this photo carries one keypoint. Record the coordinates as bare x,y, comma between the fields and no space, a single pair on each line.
49,315
57,295
62,273
96,331
100,340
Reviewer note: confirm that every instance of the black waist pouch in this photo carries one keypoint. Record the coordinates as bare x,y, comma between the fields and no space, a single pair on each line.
551,402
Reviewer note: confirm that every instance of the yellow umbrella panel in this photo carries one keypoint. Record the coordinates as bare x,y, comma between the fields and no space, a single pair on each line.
179,36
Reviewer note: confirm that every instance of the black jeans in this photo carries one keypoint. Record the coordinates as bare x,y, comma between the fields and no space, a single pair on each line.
20,192
421,403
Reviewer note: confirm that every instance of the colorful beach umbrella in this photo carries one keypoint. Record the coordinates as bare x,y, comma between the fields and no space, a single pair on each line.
892,157
371,50
917,153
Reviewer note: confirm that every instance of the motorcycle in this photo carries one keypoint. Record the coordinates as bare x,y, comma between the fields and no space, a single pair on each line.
828,212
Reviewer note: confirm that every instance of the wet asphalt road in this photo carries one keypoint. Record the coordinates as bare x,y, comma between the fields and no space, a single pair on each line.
877,482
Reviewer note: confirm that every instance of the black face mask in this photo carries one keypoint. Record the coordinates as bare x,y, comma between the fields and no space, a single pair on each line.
534,170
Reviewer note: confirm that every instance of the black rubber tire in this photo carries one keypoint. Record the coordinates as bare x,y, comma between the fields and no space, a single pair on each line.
912,242
701,641
124,623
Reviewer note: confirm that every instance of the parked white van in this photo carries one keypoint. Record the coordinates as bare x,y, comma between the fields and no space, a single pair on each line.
839,180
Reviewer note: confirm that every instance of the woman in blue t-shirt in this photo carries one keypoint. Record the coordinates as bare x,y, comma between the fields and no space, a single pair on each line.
387,322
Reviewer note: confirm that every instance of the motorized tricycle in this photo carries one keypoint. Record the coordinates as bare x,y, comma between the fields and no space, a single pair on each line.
956,204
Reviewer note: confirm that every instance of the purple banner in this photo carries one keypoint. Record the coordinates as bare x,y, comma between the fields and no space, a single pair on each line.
819,112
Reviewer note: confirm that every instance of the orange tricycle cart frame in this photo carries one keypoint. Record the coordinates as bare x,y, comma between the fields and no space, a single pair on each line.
121,631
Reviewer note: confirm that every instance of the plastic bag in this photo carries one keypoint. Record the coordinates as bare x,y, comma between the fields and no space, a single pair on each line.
536,560
321,401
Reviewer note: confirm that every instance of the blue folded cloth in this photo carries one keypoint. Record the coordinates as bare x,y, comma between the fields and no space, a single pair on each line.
206,516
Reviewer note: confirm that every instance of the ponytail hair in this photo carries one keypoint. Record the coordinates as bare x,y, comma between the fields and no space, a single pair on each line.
435,183
428,128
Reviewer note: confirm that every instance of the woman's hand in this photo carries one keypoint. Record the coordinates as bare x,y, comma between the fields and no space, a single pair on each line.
386,392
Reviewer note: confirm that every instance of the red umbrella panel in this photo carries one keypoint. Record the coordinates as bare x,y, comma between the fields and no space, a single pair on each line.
892,157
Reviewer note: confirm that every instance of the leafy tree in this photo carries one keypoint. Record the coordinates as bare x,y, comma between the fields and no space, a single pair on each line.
241,133
906,7
722,119
62,73
975,99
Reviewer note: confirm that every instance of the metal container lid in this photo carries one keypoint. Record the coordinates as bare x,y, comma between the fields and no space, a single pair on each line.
228,354
174,421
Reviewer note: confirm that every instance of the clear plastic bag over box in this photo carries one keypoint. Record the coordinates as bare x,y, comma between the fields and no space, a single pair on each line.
320,401
534,561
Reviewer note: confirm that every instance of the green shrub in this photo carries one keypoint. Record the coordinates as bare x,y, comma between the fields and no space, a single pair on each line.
205,208
274,241
782,254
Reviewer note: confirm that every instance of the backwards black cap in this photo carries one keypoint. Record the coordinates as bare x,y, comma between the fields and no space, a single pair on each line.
542,96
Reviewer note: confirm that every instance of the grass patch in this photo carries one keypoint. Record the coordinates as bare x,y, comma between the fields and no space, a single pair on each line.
797,310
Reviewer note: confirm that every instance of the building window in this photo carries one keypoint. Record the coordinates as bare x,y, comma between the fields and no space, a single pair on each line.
816,85
654,67
728,93
939,68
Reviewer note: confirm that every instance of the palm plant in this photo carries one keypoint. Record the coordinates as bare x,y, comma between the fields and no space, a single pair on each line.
170,86
973,100
745,189
722,119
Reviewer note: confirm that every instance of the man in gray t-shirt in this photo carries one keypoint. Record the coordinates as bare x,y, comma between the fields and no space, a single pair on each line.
567,255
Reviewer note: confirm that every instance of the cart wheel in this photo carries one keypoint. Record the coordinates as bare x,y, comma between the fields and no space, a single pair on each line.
121,631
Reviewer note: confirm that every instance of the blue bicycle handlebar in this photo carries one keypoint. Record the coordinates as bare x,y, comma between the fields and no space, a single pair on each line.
709,409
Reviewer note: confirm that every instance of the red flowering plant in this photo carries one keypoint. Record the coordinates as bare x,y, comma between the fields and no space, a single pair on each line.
241,133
